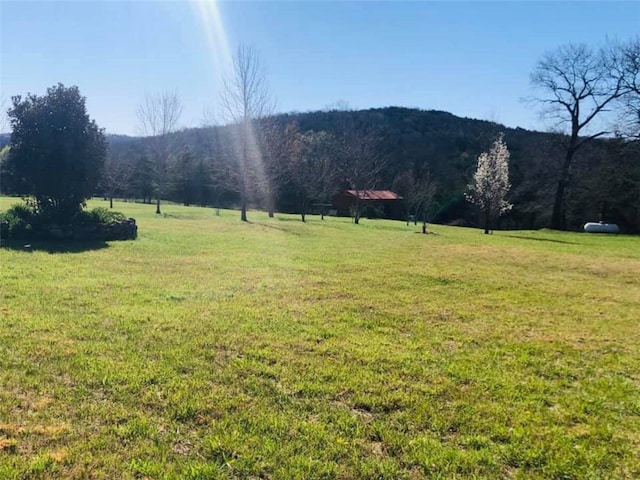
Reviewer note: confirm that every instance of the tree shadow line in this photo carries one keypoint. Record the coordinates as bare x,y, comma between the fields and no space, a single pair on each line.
54,246
540,239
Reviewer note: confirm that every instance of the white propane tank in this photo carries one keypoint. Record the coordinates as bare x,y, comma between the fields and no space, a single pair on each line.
597,227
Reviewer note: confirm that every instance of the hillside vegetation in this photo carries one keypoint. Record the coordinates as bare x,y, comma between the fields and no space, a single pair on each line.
605,179
213,348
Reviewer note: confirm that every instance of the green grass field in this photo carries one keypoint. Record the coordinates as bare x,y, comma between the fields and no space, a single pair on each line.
209,348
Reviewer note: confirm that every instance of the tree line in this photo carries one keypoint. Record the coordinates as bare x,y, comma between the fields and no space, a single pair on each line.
279,168
307,158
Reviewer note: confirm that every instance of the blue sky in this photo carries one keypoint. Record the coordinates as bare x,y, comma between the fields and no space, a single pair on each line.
470,58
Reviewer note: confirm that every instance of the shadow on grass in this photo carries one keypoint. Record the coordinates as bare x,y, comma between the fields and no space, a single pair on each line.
295,218
280,228
540,239
53,246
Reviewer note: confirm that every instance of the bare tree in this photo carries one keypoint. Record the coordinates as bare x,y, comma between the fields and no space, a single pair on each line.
418,196
425,191
310,169
220,180
361,165
624,60
491,183
158,117
219,175
115,177
405,185
579,86
281,144
245,100
184,177
325,171
141,180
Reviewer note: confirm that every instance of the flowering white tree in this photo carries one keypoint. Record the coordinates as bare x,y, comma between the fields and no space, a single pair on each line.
491,183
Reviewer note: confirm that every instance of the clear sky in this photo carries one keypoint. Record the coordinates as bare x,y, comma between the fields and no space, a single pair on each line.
469,58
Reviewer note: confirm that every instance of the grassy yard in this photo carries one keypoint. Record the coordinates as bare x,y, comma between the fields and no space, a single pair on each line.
209,348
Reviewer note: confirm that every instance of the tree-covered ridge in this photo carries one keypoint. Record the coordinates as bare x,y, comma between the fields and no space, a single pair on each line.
606,174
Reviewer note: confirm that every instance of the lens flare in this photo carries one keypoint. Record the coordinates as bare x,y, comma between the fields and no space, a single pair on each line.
208,15
228,77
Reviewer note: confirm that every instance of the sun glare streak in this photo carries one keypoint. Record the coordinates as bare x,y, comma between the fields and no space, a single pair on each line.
208,15
244,136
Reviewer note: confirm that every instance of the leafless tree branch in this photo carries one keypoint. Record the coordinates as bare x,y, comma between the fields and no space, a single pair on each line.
158,117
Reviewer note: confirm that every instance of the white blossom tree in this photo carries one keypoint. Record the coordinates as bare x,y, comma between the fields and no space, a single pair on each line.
491,183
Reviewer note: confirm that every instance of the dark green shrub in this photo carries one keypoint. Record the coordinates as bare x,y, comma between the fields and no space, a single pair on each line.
98,216
18,221
24,221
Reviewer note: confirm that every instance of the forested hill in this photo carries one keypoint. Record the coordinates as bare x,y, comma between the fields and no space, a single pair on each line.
605,179
448,146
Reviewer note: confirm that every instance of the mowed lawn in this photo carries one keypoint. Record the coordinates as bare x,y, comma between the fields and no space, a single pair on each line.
211,348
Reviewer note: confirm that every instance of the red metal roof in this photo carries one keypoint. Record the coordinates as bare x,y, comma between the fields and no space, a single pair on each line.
374,194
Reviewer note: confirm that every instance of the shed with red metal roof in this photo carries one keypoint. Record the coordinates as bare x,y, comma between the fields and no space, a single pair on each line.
384,202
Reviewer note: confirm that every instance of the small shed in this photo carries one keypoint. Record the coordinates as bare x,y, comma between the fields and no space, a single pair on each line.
381,203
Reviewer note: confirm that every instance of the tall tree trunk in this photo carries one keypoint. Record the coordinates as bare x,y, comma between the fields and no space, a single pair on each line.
158,205
558,218
216,203
270,205
558,214
487,221
243,192
243,211
110,201
303,210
